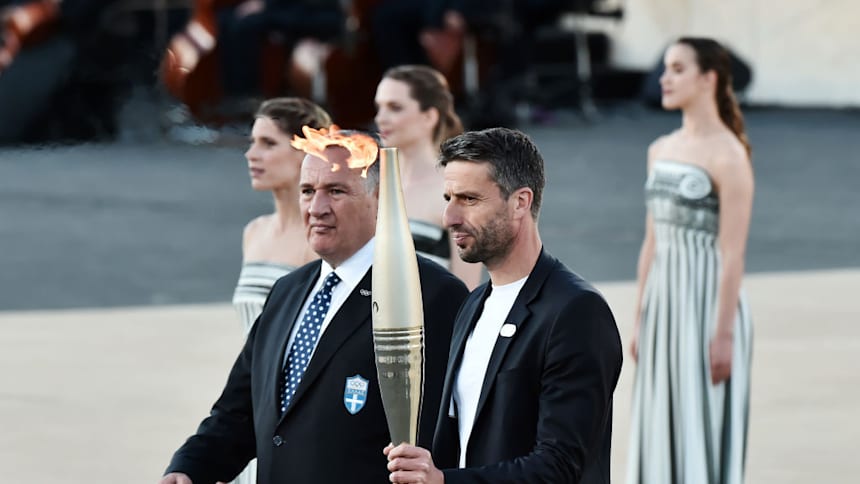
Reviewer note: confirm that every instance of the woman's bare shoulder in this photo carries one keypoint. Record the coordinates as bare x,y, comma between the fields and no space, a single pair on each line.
658,147
254,227
729,148
729,162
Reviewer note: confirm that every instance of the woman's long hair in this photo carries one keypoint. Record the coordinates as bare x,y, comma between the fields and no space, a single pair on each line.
430,88
711,56
291,113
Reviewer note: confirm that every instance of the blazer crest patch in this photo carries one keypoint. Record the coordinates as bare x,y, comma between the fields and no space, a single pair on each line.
355,394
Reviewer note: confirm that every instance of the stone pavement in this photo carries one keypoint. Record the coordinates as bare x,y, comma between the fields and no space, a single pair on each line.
106,395
117,260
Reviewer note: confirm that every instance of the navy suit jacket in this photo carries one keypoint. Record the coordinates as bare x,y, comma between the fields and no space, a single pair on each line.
317,440
545,408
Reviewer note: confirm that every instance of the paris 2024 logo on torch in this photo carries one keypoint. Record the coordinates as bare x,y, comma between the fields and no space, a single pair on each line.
355,394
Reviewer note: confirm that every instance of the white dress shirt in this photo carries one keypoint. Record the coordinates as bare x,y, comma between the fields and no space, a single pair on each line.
350,273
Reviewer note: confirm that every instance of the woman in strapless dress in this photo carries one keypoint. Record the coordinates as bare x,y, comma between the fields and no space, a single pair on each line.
415,113
693,333
274,244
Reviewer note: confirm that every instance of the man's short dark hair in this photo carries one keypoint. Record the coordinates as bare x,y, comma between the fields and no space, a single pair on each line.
514,158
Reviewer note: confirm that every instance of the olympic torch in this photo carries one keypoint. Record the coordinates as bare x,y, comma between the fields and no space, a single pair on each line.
398,317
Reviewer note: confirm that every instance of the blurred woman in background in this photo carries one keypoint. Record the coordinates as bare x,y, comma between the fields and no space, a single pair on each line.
274,244
693,335
415,113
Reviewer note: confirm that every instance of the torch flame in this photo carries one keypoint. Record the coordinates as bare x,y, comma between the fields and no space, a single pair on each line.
362,148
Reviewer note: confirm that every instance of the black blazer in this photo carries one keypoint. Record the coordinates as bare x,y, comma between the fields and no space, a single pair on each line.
545,408
317,440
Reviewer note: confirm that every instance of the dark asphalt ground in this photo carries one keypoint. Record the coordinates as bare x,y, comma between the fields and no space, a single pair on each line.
146,220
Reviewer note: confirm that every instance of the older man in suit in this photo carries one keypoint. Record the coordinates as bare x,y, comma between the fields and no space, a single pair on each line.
304,387
535,354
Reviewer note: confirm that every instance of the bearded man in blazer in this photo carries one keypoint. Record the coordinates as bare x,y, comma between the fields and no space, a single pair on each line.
535,353
336,408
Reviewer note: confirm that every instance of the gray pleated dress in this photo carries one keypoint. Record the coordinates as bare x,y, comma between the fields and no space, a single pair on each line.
684,430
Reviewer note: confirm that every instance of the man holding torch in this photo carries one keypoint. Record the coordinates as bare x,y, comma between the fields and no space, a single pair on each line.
535,352
304,387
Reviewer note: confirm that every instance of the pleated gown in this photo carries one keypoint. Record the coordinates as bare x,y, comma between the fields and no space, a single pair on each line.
684,430
255,281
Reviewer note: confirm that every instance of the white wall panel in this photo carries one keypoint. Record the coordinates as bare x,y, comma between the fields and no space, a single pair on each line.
803,52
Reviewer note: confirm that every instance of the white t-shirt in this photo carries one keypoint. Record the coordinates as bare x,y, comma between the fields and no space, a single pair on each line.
476,357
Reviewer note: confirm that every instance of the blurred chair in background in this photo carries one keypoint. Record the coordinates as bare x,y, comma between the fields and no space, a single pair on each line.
231,53
64,71
326,56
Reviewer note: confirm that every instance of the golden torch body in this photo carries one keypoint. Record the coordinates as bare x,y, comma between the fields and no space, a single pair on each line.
398,317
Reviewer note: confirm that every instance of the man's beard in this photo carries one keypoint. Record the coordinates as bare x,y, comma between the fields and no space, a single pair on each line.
491,242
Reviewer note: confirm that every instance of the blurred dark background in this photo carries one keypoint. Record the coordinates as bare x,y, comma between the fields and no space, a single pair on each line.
67,67
123,182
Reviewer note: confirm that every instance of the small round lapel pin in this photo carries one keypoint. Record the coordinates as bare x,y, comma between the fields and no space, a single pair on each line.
508,330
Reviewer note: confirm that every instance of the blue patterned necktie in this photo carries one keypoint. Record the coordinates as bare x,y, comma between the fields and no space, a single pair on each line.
306,339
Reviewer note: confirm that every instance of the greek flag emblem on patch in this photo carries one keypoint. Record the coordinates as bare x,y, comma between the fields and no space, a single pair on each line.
355,393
